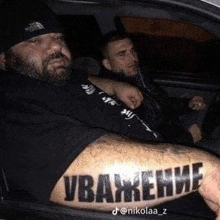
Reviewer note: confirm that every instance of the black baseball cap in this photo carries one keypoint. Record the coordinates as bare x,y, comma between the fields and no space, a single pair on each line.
21,20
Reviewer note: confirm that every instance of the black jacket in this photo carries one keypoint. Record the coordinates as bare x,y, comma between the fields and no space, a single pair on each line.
44,127
157,109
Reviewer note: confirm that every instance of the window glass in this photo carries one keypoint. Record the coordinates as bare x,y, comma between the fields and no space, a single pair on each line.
174,46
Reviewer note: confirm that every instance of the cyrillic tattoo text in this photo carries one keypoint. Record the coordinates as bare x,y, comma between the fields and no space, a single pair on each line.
163,183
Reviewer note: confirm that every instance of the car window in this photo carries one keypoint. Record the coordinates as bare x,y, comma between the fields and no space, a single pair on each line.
173,46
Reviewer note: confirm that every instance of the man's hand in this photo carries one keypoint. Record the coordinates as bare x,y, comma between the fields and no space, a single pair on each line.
197,103
196,132
128,94
210,191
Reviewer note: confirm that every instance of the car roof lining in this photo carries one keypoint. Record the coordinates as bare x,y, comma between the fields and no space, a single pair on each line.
200,13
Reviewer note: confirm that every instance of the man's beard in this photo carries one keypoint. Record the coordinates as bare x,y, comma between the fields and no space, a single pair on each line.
56,76
129,75
125,76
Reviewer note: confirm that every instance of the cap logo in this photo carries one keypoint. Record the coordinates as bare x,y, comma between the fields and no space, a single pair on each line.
34,26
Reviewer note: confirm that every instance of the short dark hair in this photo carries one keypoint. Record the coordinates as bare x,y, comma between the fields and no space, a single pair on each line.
110,37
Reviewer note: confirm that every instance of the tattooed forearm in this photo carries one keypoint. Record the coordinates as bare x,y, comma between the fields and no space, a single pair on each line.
145,185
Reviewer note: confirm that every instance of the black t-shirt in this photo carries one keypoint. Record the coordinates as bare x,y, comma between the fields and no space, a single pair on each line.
45,127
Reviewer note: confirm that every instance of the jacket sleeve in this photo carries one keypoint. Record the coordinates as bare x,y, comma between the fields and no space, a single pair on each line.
96,109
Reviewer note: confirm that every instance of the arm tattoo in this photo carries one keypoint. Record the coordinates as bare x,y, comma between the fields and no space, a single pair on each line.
145,185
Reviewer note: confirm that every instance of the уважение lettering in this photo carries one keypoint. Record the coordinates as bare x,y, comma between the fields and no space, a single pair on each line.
167,182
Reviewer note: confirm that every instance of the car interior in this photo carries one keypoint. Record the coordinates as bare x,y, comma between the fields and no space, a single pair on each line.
178,42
